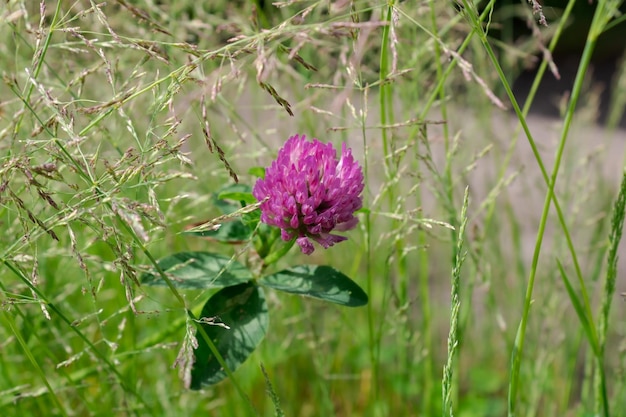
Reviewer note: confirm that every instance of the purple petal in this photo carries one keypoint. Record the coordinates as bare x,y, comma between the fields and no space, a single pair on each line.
305,244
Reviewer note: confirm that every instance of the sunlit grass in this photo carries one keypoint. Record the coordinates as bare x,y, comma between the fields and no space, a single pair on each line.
118,122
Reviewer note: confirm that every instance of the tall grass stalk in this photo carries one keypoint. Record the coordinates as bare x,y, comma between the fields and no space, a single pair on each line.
582,306
109,97
615,236
601,18
388,66
386,88
455,308
452,215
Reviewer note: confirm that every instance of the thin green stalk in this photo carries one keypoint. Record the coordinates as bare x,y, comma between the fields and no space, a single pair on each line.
427,384
582,69
505,163
424,296
385,86
447,176
518,349
591,333
437,92
371,313
386,117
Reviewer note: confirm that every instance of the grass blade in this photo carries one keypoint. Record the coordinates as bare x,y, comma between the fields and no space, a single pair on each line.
583,315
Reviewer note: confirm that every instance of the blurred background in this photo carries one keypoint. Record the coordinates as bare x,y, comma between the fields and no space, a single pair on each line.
120,121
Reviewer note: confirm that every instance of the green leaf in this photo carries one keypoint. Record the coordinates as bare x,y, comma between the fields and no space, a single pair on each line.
199,270
235,192
258,172
234,231
321,282
247,198
226,193
243,309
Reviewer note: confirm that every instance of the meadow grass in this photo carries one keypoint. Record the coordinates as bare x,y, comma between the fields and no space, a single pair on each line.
488,244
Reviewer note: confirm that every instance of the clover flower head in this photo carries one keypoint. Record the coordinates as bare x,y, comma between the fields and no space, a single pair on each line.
311,192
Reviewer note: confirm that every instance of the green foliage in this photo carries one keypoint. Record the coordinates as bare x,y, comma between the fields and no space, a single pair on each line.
199,270
235,319
124,124
244,307
322,282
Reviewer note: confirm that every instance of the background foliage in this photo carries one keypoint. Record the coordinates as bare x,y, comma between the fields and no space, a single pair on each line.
120,121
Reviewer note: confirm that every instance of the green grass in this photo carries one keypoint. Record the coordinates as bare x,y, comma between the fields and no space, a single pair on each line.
118,121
